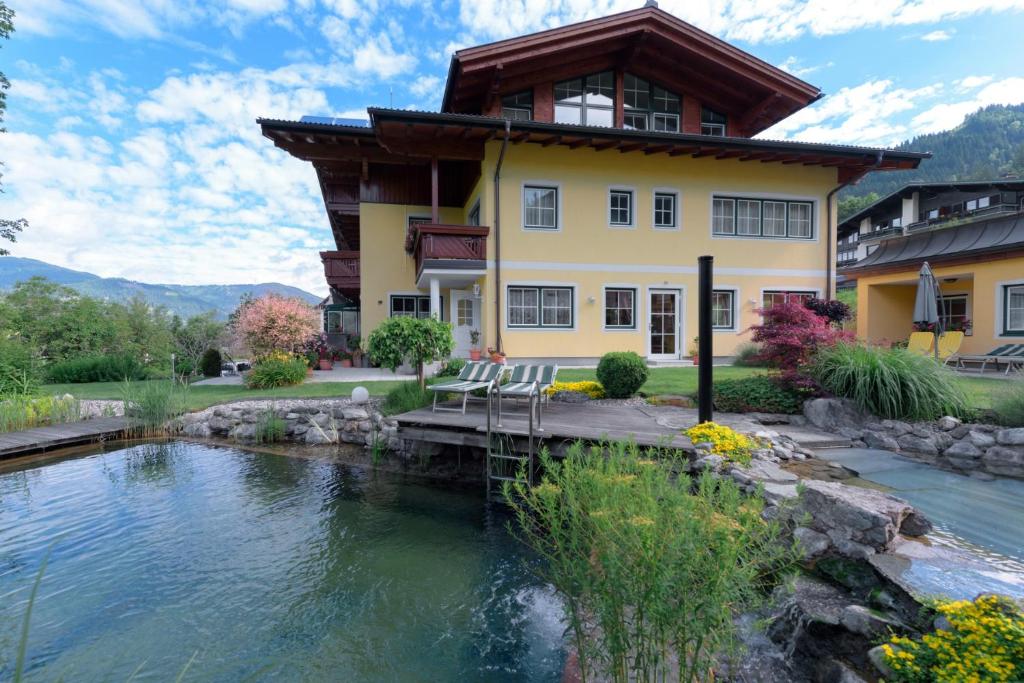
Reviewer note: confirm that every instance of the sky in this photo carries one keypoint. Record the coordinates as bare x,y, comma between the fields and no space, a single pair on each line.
133,151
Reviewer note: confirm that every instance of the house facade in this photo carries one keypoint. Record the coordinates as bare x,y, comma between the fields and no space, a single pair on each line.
559,200
972,235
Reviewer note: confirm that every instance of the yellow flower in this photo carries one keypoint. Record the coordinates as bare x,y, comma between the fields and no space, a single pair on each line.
592,389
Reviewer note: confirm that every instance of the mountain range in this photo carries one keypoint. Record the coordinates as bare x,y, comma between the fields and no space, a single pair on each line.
185,300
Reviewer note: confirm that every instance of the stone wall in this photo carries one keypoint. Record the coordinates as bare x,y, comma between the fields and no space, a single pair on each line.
979,450
309,421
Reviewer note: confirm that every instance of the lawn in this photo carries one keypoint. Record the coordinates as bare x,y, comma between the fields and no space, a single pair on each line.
683,381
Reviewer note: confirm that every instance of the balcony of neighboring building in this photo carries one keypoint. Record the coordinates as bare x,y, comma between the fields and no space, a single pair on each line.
454,255
341,269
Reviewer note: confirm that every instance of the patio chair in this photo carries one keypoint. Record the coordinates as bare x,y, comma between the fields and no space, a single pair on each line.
526,382
1011,354
949,344
921,342
476,375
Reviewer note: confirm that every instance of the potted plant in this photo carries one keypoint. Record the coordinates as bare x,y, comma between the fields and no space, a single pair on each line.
355,348
695,350
326,364
474,345
346,359
496,356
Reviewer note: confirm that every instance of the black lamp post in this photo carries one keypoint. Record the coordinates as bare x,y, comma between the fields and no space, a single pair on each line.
705,281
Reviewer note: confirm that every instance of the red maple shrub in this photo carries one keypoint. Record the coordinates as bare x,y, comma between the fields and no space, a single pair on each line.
789,335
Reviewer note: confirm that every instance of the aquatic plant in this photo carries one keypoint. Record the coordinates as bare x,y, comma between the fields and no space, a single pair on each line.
270,428
151,405
653,567
984,641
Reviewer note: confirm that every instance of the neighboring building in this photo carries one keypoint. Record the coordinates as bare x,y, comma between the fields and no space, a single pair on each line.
972,235
559,201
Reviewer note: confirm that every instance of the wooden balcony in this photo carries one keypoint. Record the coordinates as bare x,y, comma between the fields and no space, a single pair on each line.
341,268
448,247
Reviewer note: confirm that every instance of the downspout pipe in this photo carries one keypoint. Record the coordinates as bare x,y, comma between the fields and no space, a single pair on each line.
497,239
830,254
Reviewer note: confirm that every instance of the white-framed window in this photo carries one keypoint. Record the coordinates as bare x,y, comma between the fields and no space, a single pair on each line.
953,311
772,298
723,309
649,107
748,217
464,312
540,207
620,308
666,210
589,100
765,218
620,207
518,107
723,216
711,122
530,306
412,306
1013,310
333,322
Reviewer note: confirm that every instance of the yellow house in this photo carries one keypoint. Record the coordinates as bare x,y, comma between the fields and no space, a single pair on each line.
972,235
559,200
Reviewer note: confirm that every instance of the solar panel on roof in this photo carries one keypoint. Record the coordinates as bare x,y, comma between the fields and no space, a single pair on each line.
335,121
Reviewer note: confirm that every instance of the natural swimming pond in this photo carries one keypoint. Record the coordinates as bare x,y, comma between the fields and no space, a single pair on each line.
263,567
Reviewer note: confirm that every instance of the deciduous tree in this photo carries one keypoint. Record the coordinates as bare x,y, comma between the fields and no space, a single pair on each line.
9,227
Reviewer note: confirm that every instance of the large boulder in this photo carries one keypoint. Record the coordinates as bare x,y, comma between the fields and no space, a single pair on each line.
917,444
1010,437
980,439
858,519
963,455
1003,461
833,414
879,440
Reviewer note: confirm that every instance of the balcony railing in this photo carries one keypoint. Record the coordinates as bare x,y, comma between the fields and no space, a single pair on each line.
449,246
341,268
884,233
952,219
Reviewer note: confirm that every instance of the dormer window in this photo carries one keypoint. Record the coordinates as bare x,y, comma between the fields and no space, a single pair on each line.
648,107
518,107
711,122
589,101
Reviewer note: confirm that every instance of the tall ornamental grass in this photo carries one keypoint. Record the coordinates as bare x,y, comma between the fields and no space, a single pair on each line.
1008,405
18,412
652,566
151,405
890,383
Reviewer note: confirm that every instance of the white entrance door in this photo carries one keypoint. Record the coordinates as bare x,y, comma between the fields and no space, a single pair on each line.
663,323
465,318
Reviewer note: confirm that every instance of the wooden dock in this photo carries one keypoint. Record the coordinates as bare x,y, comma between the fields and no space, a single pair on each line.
41,439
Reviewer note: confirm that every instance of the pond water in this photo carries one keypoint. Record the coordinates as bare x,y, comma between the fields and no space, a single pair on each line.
263,567
978,543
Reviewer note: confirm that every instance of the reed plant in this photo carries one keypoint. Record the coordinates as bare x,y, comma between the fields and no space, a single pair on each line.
151,405
896,384
653,567
270,428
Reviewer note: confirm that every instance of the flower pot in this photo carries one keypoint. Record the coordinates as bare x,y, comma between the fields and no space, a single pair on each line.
695,359
309,372
498,358
326,364
347,363
474,354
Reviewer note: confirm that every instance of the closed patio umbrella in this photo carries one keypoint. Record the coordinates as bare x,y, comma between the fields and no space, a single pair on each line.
926,303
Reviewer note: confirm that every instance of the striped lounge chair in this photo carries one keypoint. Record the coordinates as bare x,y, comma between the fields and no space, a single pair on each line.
476,375
1011,354
921,342
527,381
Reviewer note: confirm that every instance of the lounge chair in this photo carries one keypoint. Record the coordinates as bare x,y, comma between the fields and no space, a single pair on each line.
527,381
949,344
1011,354
476,375
921,342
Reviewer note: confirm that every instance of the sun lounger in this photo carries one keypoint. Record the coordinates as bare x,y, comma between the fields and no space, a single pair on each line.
528,381
476,375
921,342
1011,354
949,344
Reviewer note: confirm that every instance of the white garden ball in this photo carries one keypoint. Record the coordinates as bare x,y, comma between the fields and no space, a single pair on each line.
360,395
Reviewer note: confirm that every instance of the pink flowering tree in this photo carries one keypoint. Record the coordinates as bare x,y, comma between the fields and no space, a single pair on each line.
276,323
789,335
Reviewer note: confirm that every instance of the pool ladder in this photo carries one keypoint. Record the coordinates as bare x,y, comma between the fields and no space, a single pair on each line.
503,462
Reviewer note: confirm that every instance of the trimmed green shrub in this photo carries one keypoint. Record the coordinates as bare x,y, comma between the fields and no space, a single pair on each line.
210,363
1008,405
890,383
621,373
278,370
757,394
405,397
451,367
110,368
749,356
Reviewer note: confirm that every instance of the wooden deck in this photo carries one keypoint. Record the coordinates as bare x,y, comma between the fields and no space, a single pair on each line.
13,444
647,425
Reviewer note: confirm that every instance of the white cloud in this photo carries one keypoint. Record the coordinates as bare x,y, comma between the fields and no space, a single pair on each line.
972,82
937,36
378,57
795,66
951,114
426,86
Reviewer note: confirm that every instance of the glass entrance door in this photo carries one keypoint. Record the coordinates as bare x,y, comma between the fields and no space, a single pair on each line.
664,323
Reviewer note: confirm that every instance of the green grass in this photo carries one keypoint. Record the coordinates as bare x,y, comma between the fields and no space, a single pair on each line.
979,390
204,396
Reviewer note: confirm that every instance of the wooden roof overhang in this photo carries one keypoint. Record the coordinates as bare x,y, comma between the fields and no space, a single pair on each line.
648,42
360,163
849,161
